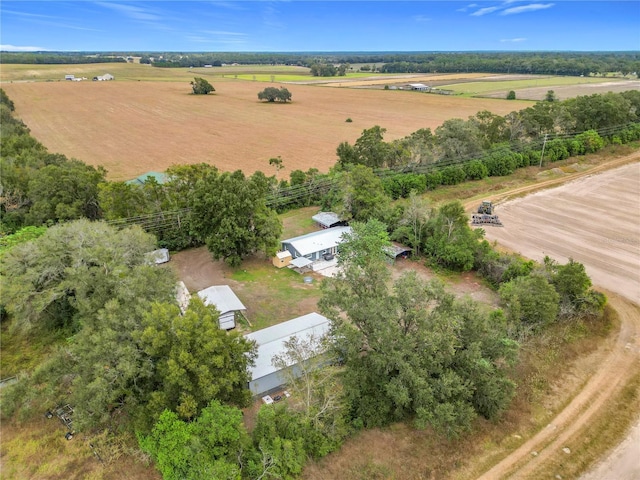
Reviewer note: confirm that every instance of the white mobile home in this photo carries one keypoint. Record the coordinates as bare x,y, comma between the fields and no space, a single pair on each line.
314,246
270,341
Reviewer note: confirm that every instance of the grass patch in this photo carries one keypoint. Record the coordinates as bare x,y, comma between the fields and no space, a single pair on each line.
23,352
298,222
481,88
276,295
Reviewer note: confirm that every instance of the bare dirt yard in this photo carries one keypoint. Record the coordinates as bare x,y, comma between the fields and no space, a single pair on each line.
134,127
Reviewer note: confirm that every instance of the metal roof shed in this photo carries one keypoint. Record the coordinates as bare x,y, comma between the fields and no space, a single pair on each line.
157,256
327,219
270,341
223,298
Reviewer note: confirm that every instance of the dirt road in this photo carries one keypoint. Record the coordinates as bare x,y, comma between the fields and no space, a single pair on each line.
622,361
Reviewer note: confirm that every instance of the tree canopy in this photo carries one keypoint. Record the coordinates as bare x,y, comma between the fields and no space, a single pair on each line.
201,86
271,94
413,351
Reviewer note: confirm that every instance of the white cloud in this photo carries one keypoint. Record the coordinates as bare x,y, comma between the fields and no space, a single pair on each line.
421,18
221,32
484,11
532,7
136,13
513,40
14,48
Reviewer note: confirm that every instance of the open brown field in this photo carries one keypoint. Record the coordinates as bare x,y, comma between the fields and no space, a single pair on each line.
134,127
593,220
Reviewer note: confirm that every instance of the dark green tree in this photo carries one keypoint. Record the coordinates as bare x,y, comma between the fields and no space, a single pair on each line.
412,351
511,95
64,192
229,213
195,361
530,302
209,447
200,86
271,94
363,195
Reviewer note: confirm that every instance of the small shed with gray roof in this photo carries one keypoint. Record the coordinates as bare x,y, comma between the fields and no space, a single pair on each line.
227,303
328,220
270,342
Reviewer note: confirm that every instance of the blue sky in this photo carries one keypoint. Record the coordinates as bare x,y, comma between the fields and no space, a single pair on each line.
312,26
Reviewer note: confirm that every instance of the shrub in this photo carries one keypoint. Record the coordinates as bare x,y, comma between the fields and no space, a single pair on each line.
453,175
432,180
475,170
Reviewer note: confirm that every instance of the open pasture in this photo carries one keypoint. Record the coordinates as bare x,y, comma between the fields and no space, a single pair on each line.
131,127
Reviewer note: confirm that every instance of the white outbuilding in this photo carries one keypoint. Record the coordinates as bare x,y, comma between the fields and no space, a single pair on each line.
227,303
270,342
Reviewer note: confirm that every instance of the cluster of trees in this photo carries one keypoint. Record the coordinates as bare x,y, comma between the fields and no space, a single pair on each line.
38,187
130,352
328,70
410,350
271,94
56,58
200,86
548,63
459,140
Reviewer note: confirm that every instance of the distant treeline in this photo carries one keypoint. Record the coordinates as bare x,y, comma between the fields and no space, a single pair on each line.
61,58
549,63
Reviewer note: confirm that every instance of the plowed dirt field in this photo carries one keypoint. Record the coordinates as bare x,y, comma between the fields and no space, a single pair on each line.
134,127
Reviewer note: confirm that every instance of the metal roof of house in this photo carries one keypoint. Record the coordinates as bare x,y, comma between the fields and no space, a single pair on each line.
222,297
158,176
320,240
271,340
326,218
283,255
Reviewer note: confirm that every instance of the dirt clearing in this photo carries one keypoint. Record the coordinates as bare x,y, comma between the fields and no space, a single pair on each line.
594,220
134,127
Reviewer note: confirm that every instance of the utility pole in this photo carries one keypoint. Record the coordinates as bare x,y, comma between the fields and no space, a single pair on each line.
544,144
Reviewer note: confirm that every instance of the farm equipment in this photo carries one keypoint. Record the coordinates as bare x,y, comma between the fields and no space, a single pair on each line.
486,215
64,414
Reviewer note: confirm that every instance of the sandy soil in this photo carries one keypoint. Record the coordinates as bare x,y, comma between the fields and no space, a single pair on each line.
133,127
595,221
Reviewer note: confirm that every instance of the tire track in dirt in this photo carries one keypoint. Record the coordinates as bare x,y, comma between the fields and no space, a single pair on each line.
606,382
613,373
